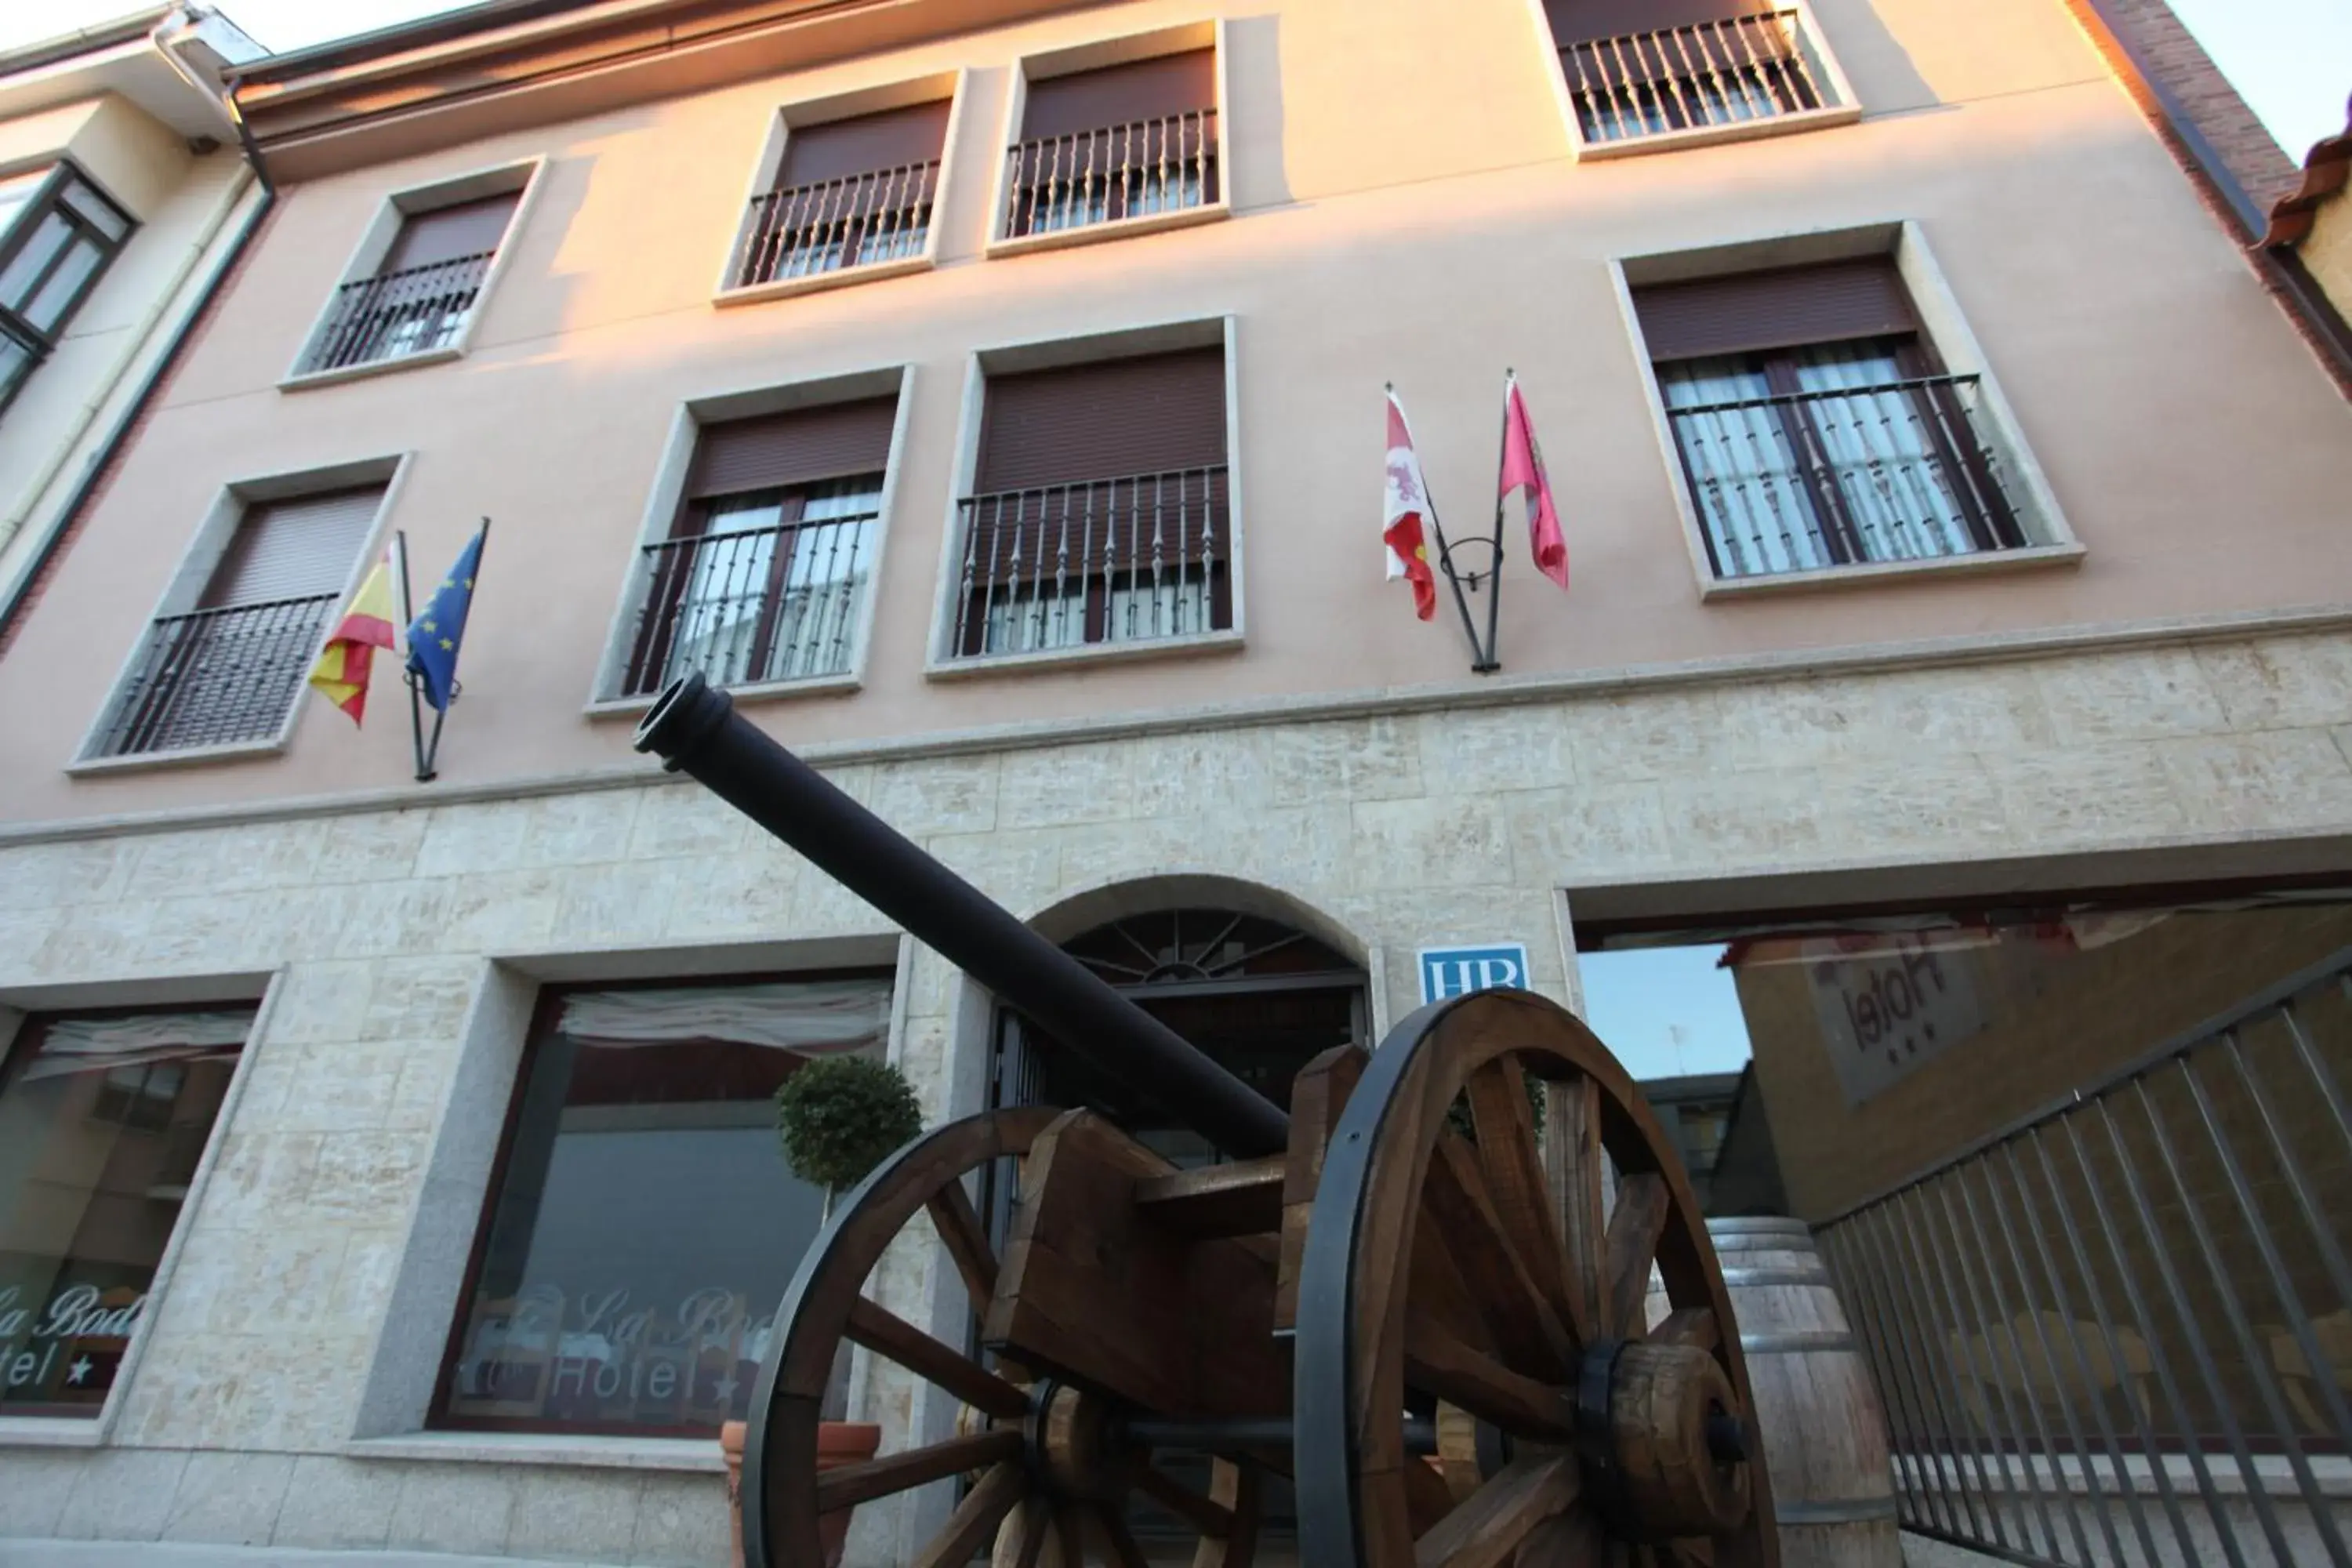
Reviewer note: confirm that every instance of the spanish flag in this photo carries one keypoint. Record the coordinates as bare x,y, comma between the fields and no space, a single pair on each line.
341,672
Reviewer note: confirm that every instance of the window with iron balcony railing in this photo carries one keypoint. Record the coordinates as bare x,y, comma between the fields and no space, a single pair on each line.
1128,142
1818,428
226,671
418,298
1726,67
847,194
1101,512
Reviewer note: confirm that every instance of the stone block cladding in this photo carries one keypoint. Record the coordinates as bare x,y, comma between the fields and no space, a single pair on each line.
1401,829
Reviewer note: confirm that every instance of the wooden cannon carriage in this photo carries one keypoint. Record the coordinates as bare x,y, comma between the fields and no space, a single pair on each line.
1386,1296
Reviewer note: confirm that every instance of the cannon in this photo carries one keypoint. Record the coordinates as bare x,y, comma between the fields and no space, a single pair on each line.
1461,1341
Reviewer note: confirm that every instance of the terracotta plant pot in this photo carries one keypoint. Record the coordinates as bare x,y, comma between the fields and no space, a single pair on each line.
838,1443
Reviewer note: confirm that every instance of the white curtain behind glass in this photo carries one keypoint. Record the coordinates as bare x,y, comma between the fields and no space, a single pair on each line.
1750,498
726,586
814,1017
1896,489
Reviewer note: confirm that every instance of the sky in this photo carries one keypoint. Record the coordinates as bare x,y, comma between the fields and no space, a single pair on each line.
2291,59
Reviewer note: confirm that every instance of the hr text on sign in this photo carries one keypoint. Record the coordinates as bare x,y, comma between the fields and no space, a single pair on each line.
1458,971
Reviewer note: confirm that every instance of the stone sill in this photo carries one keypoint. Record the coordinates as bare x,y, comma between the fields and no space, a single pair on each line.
1878,573
373,367
48,1432
1122,228
1714,135
1091,654
194,756
693,1454
811,283
767,691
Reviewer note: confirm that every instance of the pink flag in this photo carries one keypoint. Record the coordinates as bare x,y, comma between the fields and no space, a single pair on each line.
1523,468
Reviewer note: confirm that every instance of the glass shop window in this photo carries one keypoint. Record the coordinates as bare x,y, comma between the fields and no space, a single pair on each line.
102,1121
643,1224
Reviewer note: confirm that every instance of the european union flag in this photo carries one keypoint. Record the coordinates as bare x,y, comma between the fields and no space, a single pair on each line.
435,634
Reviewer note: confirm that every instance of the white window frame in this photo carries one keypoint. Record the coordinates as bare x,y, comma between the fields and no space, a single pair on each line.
668,493
1843,108
947,86
376,242
942,662
203,552
1127,49
2039,515
259,991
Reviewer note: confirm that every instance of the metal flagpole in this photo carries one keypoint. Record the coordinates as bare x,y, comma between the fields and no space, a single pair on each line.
408,676
441,715
1495,595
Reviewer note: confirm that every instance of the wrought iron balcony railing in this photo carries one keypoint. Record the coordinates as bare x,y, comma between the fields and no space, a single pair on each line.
216,677
1898,472
1119,172
1684,78
397,314
836,225
1111,561
754,605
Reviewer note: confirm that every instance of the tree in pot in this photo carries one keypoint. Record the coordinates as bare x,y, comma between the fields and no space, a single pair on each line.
838,1118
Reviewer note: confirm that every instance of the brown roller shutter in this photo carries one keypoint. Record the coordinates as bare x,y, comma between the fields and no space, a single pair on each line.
1120,95
1104,420
798,448
294,549
840,149
444,233
1574,21
1785,307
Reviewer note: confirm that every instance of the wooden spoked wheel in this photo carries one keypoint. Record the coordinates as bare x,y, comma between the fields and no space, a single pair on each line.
1049,1467
1446,1299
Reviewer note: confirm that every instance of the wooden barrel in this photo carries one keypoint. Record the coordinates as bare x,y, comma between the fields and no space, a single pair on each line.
1825,1446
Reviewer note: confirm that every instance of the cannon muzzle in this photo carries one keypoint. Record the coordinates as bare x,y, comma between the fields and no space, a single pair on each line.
696,730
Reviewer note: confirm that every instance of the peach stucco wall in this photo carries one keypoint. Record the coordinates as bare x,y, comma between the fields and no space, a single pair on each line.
1406,208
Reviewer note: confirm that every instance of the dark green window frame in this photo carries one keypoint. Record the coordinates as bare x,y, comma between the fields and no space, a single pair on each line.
53,251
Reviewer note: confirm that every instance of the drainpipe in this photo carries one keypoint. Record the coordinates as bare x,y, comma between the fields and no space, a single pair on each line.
99,462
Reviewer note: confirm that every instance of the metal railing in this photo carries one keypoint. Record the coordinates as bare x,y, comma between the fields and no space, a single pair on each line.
395,314
757,604
1118,172
1897,470
216,677
836,225
1124,560
2120,1330
1682,78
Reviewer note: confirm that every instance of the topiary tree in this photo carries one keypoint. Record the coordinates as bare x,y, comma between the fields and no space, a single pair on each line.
840,1116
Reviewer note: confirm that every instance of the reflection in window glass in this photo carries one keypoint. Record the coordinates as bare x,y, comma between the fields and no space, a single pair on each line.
646,1224
102,1123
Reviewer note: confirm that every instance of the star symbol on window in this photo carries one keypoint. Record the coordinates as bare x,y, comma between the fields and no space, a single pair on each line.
80,1370
432,626
446,644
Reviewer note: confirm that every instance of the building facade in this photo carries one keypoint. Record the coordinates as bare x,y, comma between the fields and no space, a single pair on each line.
986,391
124,197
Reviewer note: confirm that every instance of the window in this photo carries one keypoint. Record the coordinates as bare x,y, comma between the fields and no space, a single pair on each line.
102,1121
58,234
643,1224
227,671
765,573
417,296
1816,427
847,193
1636,70
1100,509
1127,141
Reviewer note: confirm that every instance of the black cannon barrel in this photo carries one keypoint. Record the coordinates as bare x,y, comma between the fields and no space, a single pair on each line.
695,729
